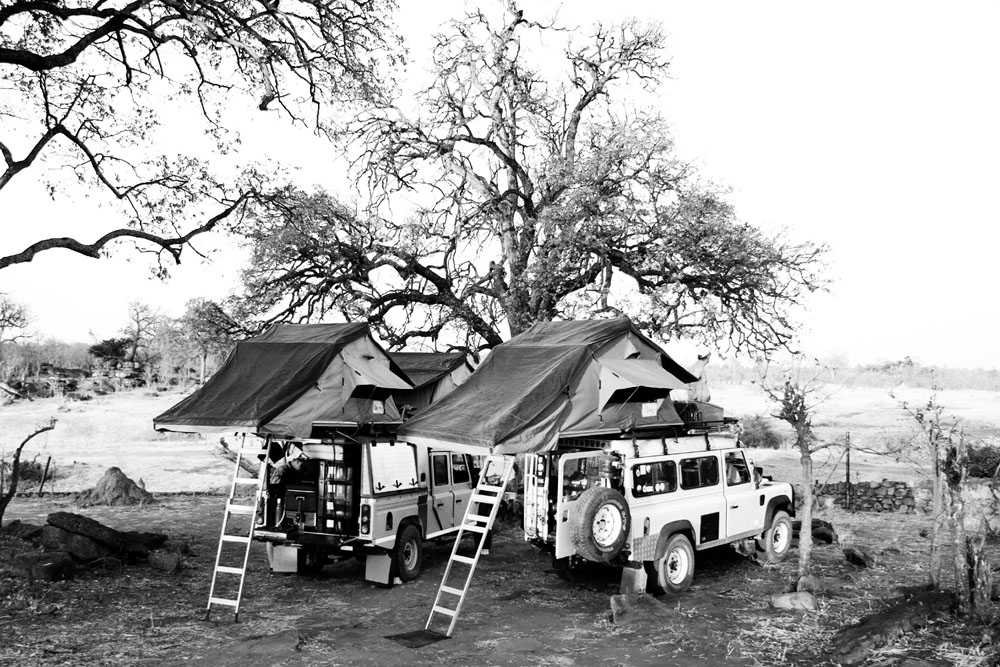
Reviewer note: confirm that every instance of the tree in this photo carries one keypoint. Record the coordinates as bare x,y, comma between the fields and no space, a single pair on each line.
111,349
797,399
534,195
208,330
84,83
14,319
15,467
139,328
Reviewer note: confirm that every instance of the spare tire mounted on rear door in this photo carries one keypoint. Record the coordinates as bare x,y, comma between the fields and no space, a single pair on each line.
600,523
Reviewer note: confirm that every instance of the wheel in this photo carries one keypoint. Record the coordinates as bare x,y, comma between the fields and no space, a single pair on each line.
675,569
776,541
600,523
408,553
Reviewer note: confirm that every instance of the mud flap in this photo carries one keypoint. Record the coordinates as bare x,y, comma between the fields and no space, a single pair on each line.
378,569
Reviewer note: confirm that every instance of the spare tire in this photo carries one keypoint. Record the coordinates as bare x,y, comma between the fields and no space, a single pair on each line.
599,524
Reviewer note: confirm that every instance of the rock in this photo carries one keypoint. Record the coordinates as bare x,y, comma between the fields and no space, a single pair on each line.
165,561
798,600
632,609
860,557
150,540
46,566
82,548
824,534
22,531
81,525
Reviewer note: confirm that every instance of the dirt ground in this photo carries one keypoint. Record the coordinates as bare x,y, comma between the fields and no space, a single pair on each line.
519,612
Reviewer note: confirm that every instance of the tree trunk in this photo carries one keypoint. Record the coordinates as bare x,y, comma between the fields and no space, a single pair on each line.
956,473
203,357
980,580
805,532
937,517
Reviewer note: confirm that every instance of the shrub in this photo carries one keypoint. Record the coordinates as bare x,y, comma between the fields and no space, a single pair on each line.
983,460
30,471
758,432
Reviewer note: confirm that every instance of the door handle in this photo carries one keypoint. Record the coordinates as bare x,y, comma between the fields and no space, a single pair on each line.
440,504
458,500
732,507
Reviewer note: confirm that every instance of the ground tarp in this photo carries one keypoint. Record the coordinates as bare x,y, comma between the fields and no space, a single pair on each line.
291,377
547,383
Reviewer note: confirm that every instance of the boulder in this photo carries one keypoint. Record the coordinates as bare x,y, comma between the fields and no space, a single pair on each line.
22,531
46,566
80,547
803,600
179,547
165,561
119,542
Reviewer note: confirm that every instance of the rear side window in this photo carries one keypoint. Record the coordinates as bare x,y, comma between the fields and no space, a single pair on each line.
650,479
699,472
459,469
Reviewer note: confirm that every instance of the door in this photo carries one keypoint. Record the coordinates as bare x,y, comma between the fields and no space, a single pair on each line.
461,486
743,511
442,515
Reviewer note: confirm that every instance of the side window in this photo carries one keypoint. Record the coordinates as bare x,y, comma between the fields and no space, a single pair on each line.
699,472
459,469
439,462
737,471
653,478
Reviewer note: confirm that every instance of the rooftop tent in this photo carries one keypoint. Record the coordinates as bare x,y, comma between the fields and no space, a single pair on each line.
292,378
557,379
434,375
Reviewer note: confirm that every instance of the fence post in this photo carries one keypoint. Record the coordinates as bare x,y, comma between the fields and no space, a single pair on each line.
848,499
45,476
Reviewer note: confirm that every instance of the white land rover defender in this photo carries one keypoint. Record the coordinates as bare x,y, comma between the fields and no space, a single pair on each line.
651,502
374,500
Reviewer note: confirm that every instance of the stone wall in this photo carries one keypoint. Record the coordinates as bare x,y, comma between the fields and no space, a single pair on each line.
981,497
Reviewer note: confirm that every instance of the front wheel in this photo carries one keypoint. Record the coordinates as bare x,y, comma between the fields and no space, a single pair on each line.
776,541
408,553
675,569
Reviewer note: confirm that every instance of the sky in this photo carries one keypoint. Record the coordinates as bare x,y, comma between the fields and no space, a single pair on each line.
869,127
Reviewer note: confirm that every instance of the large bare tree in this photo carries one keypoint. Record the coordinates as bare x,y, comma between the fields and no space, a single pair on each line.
520,190
86,83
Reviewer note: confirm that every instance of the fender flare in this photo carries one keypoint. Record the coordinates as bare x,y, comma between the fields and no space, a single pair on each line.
670,529
781,502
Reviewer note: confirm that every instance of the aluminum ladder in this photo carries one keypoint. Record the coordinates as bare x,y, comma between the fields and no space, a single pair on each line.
478,520
238,524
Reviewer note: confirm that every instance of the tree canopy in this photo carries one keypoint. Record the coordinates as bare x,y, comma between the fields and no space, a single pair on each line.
522,190
87,83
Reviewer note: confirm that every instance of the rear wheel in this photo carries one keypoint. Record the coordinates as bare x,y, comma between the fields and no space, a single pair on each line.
675,569
776,541
408,553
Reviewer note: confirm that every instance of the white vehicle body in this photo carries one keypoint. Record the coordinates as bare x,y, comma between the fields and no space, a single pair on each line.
624,501
377,499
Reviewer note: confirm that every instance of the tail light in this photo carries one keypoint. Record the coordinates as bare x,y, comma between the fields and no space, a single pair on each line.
366,519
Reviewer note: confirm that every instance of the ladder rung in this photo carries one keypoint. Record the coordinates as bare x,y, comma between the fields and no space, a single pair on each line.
236,538
241,509
489,500
464,559
454,591
477,517
474,529
445,610
229,570
230,603
489,487
246,480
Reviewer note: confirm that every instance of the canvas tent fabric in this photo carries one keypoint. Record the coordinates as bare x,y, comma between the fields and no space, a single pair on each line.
291,377
546,384
434,375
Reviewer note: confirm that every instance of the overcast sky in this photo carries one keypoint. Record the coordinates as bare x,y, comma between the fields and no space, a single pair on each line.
869,126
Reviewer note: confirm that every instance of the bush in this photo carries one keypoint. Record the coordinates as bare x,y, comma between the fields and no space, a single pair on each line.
758,432
30,471
983,460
